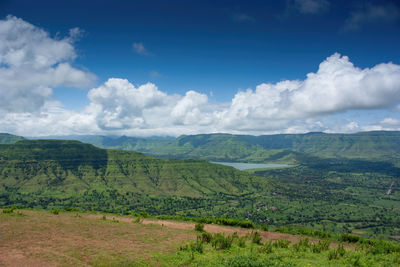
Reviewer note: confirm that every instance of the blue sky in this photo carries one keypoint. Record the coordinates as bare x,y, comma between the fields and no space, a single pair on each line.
199,56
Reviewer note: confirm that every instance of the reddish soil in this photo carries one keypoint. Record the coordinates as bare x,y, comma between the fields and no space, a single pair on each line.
39,238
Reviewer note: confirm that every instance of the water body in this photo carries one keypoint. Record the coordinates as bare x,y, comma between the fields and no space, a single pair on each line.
246,166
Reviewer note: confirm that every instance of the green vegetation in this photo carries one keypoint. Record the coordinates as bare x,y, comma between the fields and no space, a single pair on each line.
285,148
232,250
313,198
6,138
30,238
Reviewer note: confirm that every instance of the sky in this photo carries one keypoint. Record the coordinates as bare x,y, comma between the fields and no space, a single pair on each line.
167,68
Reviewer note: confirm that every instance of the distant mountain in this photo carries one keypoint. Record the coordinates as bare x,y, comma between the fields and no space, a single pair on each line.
378,145
6,138
64,169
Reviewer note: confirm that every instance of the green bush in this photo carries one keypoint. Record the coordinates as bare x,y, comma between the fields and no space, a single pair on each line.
256,238
303,231
267,247
349,238
244,261
302,245
137,220
220,241
321,246
336,253
241,242
281,243
384,247
9,210
199,227
205,237
55,211
197,247
264,227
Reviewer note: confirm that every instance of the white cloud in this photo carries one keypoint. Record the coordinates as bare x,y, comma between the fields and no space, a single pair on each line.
337,86
118,104
369,13
311,6
140,49
32,63
188,110
293,106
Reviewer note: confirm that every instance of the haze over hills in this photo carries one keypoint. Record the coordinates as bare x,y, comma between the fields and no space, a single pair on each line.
288,148
6,138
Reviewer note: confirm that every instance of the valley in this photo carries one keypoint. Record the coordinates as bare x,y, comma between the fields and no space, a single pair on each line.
315,197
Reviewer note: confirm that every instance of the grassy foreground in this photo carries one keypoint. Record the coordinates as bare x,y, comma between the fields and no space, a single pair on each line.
44,238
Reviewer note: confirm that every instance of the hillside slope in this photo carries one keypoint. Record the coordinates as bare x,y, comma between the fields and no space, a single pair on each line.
6,138
65,169
287,148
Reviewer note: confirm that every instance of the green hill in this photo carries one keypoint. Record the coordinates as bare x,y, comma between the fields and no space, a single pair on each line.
288,148
67,171
338,195
6,138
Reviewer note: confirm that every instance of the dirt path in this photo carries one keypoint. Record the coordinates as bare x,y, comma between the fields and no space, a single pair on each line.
39,238
213,228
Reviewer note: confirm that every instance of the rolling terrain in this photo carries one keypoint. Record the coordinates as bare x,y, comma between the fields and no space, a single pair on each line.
6,138
330,194
72,173
286,148
72,238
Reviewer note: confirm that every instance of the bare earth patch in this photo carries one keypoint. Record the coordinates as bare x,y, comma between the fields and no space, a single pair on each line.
39,238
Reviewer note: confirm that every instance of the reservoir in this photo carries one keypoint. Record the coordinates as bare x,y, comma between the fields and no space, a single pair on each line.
246,166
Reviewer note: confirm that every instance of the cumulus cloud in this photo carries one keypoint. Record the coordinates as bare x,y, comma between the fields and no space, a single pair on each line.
32,63
337,86
118,104
189,110
292,106
370,13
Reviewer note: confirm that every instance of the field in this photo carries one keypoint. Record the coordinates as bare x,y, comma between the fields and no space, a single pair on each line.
59,238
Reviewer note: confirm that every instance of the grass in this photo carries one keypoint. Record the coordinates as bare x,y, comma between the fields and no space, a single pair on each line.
66,239
72,238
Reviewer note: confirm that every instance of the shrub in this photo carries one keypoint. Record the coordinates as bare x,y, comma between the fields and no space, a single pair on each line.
281,243
384,247
184,248
321,246
264,227
244,260
55,211
205,237
246,224
197,247
302,245
349,238
315,248
9,210
242,242
199,227
137,220
219,241
256,238
267,248
144,214
336,253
